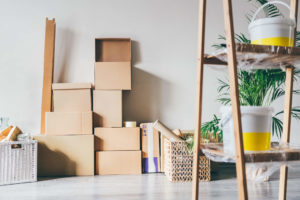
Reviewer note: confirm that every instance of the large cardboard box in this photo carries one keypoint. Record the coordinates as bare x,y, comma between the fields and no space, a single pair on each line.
69,123
71,155
72,97
150,148
118,162
110,139
107,107
113,64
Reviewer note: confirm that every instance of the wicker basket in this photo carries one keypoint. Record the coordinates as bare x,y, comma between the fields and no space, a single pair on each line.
179,163
18,162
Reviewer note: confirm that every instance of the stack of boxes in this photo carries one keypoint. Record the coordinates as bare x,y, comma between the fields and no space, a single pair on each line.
117,148
67,148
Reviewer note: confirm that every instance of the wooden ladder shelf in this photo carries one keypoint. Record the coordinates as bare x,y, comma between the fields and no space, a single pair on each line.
233,50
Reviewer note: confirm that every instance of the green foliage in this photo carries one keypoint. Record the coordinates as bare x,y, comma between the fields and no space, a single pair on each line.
212,128
270,10
260,88
257,88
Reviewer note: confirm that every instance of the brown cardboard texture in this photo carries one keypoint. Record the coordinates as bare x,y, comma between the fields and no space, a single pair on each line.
110,139
162,153
150,141
118,162
107,108
113,49
72,97
113,75
65,155
69,123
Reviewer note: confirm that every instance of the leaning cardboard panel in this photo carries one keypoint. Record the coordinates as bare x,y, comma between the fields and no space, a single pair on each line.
71,155
69,123
150,148
107,107
72,97
111,139
113,64
118,162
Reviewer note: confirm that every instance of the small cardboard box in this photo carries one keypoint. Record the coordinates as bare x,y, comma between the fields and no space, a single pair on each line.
71,155
72,97
69,123
150,148
113,63
118,162
110,139
107,107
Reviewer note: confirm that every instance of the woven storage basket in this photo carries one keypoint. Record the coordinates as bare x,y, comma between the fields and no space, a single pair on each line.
18,162
179,163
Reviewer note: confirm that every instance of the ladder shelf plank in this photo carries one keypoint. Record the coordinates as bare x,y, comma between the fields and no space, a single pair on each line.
258,56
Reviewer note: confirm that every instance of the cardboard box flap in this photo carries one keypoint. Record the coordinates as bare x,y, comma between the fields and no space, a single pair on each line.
112,49
71,86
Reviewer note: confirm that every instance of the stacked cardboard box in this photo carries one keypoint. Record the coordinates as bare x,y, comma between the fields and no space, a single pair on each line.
117,148
67,148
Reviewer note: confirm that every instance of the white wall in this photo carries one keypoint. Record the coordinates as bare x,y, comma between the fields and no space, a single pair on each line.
164,54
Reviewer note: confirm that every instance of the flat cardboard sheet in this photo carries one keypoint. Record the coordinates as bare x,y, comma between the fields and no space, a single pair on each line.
107,108
69,123
65,155
108,139
118,162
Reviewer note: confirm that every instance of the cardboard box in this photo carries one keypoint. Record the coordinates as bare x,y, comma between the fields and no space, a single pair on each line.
71,155
107,107
118,162
72,97
113,75
69,123
150,148
113,63
110,139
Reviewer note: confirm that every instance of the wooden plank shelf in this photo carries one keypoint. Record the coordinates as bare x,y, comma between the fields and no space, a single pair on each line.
275,154
258,56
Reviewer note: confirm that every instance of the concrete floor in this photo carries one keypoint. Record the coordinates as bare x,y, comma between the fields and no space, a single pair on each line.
146,187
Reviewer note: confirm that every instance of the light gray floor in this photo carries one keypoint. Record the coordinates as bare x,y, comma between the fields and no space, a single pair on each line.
146,187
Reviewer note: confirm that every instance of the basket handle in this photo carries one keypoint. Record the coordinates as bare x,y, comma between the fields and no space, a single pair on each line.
275,2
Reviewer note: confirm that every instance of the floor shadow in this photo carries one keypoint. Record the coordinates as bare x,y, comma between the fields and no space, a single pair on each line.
221,171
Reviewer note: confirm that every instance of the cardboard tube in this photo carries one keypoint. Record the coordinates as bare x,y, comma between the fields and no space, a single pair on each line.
166,132
130,124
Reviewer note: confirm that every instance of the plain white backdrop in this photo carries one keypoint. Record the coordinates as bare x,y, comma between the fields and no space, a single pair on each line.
164,34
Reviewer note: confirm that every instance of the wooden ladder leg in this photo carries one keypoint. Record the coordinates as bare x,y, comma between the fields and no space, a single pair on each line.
287,114
234,90
201,32
48,70
286,128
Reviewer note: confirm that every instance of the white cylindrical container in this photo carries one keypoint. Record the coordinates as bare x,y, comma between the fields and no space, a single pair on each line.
256,125
275,31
